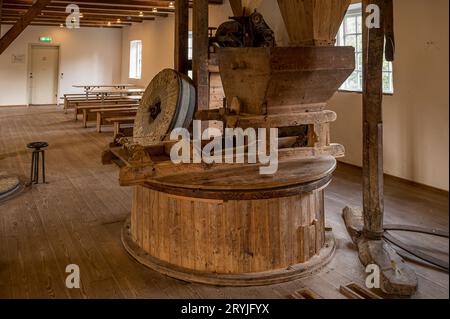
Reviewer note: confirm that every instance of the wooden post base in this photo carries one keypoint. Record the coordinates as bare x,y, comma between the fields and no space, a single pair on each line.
396,278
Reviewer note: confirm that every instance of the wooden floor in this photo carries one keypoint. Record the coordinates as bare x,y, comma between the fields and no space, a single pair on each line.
77,219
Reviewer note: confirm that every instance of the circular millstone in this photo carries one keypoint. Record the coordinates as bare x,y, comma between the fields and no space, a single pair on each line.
8,184
168,103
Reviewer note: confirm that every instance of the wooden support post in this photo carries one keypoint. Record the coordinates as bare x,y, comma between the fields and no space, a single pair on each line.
200,53
366,227
182,36
22,23
373,50
1,5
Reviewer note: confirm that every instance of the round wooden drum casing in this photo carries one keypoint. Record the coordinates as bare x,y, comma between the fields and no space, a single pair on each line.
234,242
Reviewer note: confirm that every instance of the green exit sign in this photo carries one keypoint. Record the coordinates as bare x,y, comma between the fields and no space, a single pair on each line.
45,39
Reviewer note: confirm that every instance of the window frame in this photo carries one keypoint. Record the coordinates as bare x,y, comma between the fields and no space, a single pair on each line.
355,11
135,61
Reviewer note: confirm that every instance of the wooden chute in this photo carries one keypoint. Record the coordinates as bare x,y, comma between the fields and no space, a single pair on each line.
313,22
244,7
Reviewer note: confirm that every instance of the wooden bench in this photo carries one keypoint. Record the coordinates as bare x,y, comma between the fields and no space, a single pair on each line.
74,97
73,102
118,121
86,110
112,112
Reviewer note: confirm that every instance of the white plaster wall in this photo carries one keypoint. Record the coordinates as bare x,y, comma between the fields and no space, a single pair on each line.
87,55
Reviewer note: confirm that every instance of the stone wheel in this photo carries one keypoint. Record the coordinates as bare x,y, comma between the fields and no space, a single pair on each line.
168,103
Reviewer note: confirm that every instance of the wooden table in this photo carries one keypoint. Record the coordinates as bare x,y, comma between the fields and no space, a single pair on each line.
90,87
121,92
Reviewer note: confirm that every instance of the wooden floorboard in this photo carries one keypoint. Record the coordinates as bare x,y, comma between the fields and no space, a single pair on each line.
77,218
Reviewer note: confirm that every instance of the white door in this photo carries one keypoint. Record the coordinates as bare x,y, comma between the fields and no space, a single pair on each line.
44,74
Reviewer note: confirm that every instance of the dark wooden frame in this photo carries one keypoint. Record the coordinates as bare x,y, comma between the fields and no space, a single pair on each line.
182,36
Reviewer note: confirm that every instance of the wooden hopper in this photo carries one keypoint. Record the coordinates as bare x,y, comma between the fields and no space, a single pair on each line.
283,79
244,7
313,22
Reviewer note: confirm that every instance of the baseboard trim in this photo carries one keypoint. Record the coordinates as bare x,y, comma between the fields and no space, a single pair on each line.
403,180
18,105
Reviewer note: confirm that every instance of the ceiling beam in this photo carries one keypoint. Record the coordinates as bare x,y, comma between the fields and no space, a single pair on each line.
162,6
21,24
101,10
63,17
123,13
52,24
63,20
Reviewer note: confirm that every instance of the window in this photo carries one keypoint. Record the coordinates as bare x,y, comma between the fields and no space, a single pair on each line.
190,46
135,59
350,34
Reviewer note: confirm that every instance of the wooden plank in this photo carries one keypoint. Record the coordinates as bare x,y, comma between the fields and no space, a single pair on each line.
20,25
356,291
182,36
200,53
305,293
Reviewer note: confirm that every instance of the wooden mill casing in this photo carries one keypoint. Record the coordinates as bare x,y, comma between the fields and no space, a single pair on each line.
226,224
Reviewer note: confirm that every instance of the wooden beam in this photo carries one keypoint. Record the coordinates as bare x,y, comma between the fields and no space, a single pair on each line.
87,16
373,50
82,25
106,11
62,19
1,6
201,53
182,36
18,28
133,3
